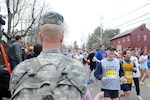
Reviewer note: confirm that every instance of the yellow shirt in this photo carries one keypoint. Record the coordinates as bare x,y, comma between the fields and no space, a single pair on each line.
128,71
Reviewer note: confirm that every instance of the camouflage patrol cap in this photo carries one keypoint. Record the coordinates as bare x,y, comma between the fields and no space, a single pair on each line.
52,18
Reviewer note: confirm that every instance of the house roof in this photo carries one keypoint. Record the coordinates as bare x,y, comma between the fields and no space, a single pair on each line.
126,32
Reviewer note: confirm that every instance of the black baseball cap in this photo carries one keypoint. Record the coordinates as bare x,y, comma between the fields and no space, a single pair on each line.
132,49
110,48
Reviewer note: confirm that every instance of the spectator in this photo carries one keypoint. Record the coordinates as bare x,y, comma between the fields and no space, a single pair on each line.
30,52
49,68
37,50
4,84
15,52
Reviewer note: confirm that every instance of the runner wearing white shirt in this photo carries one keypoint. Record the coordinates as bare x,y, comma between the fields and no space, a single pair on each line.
143,68
137,74
79,56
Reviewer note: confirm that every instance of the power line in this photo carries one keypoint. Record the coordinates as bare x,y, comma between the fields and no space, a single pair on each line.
132,20
135,22
127,13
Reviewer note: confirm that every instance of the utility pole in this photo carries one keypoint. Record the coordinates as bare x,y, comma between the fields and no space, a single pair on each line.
101,30
83,40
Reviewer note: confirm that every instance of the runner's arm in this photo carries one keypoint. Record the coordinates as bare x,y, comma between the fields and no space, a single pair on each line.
98,71
95,59
121,71
134,68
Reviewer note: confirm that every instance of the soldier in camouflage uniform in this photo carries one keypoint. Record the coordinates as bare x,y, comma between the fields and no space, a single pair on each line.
51,35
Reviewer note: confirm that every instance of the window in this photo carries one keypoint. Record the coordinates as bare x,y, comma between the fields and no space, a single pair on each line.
128,38
145,37
145,47
138,37
123,39
119,41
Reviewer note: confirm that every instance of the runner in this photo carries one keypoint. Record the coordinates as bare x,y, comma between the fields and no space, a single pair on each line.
137,74
92,65
148,64
143,60
108,71
101,54
79,56
129,67
69,54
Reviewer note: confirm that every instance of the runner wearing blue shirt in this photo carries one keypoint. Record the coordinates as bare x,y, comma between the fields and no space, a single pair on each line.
148,63
149,60
69,54
101,54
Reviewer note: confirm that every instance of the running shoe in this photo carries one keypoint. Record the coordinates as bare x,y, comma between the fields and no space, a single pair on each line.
133,84
143,81
90,81
139,98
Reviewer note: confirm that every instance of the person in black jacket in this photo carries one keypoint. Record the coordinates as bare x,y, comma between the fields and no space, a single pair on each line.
92,65
4,75
90,58
37,50
4,84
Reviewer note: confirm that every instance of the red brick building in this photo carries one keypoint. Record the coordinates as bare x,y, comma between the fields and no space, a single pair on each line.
136,37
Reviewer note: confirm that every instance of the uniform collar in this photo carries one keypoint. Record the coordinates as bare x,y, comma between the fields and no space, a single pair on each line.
50,51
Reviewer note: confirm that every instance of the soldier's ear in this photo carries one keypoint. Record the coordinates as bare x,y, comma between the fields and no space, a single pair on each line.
41,36
62,38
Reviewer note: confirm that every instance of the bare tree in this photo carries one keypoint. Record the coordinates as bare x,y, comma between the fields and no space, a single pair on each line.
23,15
12,10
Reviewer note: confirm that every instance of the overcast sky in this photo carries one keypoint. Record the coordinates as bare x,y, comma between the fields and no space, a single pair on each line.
83,16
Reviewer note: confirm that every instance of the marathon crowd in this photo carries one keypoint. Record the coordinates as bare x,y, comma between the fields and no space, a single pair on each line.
135,64
115,70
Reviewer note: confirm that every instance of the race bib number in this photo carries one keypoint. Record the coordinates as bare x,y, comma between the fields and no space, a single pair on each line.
111,73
